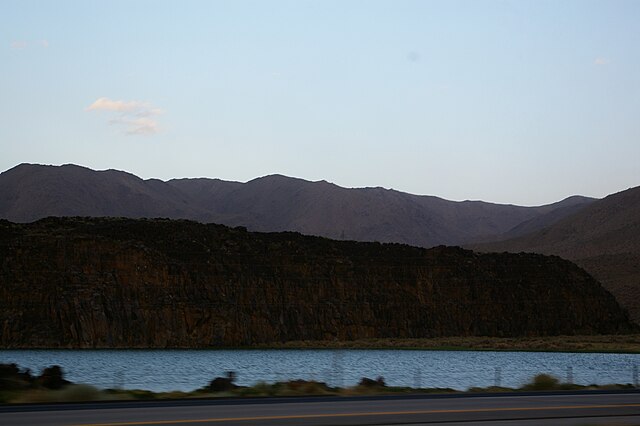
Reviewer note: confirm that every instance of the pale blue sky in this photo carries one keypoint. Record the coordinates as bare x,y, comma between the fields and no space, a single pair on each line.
522,102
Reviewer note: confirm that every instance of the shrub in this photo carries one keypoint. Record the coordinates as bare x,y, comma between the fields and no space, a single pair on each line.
542,382
11,378
223,384
52,378
370,383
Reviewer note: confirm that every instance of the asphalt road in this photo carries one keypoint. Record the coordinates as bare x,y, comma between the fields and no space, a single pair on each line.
557,409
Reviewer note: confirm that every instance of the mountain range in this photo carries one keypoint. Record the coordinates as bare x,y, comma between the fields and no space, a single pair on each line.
602,236
272,203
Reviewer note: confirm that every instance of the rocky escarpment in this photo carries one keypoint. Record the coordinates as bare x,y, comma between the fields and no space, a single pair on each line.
603,238
87,282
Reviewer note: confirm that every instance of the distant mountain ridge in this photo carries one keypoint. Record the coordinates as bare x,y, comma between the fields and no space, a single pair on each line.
272,203
603,238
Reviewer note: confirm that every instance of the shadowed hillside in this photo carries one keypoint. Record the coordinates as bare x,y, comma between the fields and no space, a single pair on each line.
603,238
271,203
29,192
90,282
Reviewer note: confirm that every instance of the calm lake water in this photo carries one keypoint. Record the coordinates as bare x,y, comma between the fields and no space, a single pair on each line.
165,370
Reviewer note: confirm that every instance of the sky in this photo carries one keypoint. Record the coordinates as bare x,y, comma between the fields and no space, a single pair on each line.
521,102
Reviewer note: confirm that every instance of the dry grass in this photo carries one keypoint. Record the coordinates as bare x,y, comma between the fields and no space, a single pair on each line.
80,392
629,343
70,393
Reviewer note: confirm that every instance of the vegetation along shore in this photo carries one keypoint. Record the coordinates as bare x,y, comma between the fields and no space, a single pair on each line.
19,386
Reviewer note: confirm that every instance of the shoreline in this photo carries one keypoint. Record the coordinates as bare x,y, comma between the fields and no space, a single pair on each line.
629,344
623,344
221,388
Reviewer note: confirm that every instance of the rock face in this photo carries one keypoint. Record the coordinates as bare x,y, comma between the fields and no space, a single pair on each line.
99,282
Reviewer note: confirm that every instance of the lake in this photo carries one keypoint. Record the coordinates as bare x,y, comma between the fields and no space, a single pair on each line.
165,370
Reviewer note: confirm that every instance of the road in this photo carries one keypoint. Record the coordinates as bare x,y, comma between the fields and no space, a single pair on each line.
551,409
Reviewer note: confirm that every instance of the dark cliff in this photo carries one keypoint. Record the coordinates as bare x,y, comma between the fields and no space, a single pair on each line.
603,238
81,282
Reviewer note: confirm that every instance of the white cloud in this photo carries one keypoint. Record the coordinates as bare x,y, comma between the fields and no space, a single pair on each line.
107,104
137,126
137,117
601,61
19,44
24,44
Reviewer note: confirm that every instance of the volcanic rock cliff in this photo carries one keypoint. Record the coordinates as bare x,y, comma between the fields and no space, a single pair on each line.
99,282
603,238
